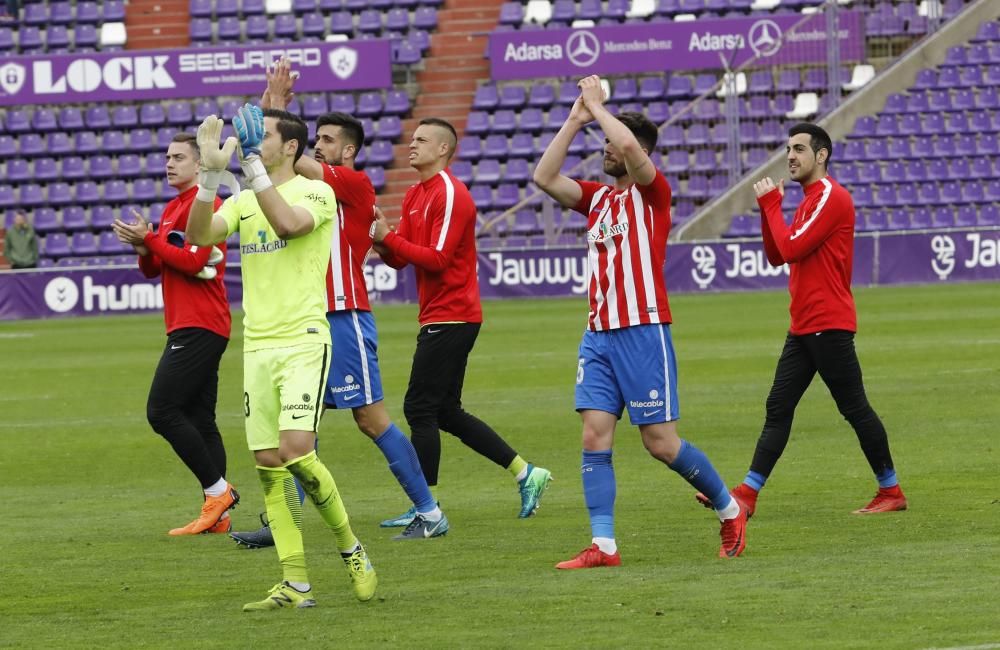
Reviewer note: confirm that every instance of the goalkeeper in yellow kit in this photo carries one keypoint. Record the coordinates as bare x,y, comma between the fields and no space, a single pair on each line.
284,221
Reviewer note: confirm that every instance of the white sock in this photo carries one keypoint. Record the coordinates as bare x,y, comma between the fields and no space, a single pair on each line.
301,587
731,511
606,544
523,474
217,489
433,515
225,515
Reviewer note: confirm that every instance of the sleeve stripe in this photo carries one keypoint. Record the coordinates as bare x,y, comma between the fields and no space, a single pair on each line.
827,188
449,203
598,195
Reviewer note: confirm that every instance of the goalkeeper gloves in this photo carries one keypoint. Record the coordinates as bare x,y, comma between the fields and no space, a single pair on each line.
213,157
249,126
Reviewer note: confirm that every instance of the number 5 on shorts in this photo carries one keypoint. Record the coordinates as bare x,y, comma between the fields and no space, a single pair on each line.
579,372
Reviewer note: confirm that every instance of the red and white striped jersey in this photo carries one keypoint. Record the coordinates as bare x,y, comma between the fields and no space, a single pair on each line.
627,247
351,240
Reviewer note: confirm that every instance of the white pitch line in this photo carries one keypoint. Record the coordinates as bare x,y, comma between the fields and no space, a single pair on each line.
987,646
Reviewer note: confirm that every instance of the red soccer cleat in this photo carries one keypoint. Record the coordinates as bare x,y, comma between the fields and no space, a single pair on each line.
734,535
743,493
590,558
886,500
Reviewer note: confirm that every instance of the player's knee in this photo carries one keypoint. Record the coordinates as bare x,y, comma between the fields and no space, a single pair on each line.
779,409
159,416
372,419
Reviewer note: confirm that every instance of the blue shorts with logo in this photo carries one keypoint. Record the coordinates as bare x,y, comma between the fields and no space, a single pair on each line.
631,367
354,378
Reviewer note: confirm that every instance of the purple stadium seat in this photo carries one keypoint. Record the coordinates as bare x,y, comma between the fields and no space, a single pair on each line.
680,86
470,148
504,121
30,38
200,29
256,28
88,13
55,245
60,13
8,197
517,171
380,153
488,171
285,26
972,192
397,102
397,20
369,105
511,13
943,217
478,123
677,161
56,38
97,117
179,114
507,196
229,28
101,217
123,117
532,120
115,191
84,37
564,11
495,147
342,103
370,21
108,244
45,220
145,190
991,192
74,218
113,11
35,13
303,6
482,196
862,195
129,166
83,243
200,8
522,145
31,144
981,167
314,105
18,121
989,215
31,195
405,53
462,169
45,169
920,218
512,97
342,22
390,127
17,170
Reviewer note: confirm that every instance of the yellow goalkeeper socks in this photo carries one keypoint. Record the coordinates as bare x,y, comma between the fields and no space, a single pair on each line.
518,467
318,483
284,514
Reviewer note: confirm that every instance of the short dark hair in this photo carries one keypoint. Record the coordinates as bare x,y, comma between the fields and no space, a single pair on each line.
290,127
447,126
818,138
641,127
189,139
351,126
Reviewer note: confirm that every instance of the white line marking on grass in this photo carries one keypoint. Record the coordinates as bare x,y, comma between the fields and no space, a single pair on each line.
17,335
988,646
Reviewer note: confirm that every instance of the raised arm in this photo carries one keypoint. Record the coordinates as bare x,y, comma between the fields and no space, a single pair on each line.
204,227
278,95
795,244
636,159
548,172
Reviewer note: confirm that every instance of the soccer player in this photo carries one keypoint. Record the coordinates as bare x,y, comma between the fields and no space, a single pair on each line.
436,234
181,404
284,223
354,381
627,356
819,249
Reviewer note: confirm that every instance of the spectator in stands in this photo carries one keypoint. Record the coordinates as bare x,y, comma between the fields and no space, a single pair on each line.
22,244
13,11
181,404
819,249
626,357
339,137
437,235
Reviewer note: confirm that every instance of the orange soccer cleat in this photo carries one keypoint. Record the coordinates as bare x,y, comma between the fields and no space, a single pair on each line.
211,512
591,557
734,535
886,500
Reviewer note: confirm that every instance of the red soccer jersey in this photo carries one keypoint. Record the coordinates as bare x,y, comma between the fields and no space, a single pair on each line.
351,239
436,234
819,249
187,301
626,249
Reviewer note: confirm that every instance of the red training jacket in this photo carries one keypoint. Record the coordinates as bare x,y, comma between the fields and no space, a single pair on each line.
437,234
819,249
187,301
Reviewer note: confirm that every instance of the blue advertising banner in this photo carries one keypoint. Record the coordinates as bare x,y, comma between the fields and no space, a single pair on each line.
197,72
649,47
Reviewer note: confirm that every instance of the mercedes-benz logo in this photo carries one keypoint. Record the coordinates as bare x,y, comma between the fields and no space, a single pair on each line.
582,48
764,37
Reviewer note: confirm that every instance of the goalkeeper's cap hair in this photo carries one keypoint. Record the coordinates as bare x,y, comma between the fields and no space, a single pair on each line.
447,126
189,139
290,127
350,126
818,138
642,128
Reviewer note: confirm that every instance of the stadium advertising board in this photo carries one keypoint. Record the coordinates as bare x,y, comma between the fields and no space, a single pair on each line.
649,47
197,72
727,265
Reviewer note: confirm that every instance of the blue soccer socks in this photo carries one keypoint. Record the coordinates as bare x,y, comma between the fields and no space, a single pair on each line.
599,492
755,480
402,459
887,478
693,465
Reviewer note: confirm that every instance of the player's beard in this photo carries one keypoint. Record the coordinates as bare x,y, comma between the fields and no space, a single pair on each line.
614,169
320,158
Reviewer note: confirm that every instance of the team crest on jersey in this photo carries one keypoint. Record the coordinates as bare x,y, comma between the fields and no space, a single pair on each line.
602,231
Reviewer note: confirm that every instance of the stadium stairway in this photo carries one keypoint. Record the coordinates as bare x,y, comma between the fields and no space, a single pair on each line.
898,77
453,67
157,23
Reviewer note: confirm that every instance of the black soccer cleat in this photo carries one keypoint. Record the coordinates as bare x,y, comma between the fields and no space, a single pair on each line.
261,538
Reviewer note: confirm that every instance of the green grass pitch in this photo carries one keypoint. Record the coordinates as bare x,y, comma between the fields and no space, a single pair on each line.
88,493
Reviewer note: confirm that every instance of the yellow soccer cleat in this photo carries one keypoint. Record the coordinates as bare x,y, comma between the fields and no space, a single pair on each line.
363,577
282,596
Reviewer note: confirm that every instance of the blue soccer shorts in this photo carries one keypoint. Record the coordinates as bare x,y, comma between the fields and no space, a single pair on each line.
632,367
354,378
